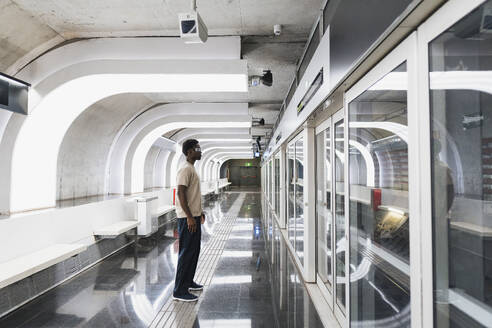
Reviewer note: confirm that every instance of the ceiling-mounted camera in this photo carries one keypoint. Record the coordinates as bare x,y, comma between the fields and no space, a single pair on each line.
258,143
265,79
277,29
191,26
258,121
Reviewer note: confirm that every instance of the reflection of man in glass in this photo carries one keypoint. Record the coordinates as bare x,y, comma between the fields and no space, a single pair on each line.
443,183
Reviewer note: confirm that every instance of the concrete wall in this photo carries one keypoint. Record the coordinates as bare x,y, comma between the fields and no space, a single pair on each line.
149,166
85,148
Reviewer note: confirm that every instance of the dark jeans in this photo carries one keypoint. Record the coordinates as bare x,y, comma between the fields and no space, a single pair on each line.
189,250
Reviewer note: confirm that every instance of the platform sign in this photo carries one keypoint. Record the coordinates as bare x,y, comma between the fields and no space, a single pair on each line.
13,94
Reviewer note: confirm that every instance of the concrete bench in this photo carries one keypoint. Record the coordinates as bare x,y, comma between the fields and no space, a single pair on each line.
116,229
27,265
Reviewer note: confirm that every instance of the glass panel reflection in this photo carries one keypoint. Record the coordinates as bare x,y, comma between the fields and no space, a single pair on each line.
299,196
290,193
460,62
379,218
323,206
277,184
340,241
270,182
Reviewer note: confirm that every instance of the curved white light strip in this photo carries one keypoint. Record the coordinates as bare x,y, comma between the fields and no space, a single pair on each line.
450,80
211,155
340,156
123,148
38,141
225,140
370,168
396,128
145,144
195,133
206,167
208,149
122,48
178,159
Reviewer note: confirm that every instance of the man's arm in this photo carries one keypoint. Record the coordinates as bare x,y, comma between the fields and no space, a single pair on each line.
183,200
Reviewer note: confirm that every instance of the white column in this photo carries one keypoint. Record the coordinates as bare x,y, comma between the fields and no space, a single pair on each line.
283,190
309,205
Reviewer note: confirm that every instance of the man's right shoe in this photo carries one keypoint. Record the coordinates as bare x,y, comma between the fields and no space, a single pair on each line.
195,287
189,297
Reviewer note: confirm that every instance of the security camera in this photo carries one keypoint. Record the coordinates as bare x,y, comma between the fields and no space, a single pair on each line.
277,29
265,79
192,29
258,140
258,121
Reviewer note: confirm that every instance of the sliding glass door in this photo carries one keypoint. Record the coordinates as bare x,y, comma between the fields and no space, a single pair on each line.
456,44
295,195
330,213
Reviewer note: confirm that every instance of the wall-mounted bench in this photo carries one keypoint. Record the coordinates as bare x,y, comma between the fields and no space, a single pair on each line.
225,185
165,209
24,266
115,229
207,191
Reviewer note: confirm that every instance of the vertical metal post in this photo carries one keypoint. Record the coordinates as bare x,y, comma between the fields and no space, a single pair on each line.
309,205
283,189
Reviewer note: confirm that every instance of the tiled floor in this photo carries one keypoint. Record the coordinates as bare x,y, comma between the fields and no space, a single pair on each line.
130,288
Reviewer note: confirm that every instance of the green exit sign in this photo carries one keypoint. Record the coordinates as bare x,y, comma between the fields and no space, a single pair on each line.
248,164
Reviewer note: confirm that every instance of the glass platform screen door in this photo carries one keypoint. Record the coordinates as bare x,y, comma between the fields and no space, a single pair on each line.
380,173
295,196
455,52
330,213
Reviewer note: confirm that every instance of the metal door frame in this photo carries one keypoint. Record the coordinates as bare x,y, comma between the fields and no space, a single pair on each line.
448,15
293,141
405,52
321,129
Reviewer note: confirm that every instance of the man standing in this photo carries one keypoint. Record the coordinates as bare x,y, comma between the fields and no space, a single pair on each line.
190,215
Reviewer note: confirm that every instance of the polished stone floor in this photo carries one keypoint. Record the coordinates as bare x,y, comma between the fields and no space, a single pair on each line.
255,283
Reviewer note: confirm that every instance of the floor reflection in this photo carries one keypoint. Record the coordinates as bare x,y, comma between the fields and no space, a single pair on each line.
126,290
256,283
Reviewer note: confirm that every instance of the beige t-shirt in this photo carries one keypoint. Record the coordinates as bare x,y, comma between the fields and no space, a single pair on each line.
188,177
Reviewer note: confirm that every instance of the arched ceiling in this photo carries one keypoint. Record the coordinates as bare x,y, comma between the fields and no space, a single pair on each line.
29,28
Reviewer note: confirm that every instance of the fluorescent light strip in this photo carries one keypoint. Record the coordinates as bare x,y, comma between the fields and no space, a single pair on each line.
225,140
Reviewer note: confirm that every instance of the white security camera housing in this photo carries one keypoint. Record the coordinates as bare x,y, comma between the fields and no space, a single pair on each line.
192,29
277,29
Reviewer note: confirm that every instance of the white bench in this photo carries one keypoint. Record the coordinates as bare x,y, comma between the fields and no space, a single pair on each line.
207,191
116,229
27,265
225,185
165,209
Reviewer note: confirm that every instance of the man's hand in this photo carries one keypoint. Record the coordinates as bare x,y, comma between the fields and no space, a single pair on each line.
191,224
203,218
